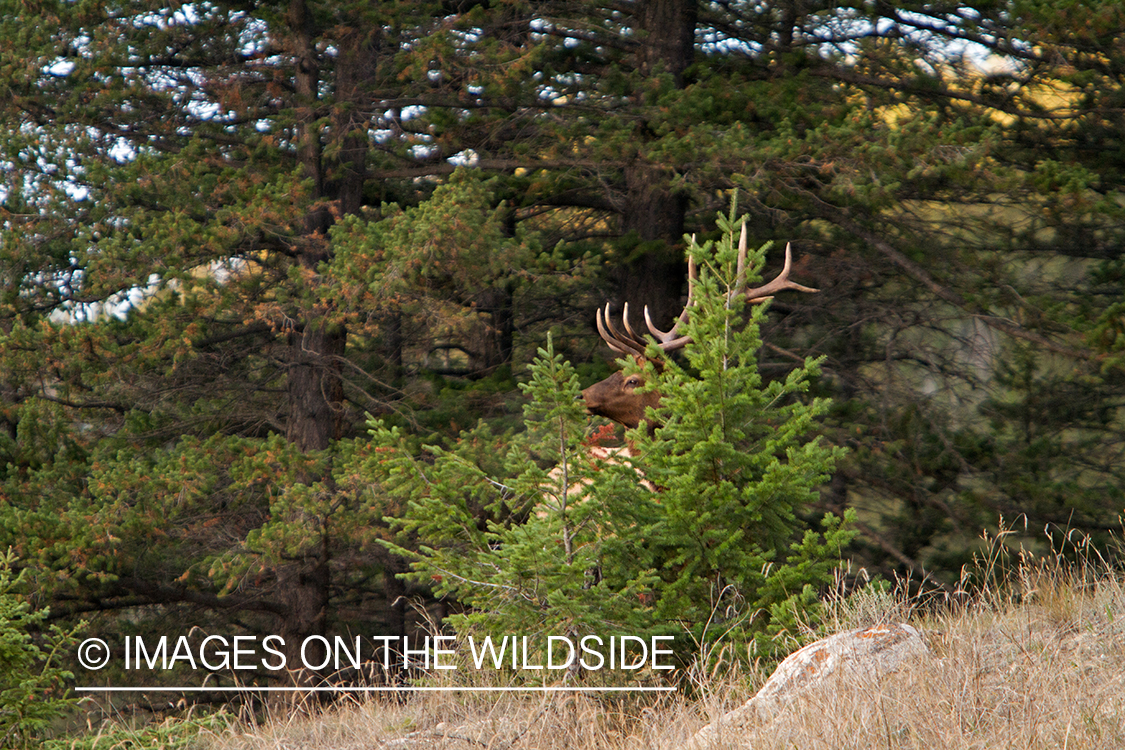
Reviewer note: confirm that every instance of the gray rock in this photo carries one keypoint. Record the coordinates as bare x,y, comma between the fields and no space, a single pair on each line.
850,658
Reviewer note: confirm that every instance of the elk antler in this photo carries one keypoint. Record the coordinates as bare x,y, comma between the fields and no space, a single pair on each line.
671,340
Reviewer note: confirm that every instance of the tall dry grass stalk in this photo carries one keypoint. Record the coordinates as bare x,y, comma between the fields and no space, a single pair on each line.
1028,653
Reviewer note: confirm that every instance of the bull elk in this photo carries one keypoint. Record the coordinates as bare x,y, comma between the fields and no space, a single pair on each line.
621,397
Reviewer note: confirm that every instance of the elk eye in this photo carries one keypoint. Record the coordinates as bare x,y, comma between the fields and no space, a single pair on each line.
632,382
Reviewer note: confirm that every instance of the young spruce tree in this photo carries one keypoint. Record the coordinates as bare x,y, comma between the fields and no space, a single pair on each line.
697,535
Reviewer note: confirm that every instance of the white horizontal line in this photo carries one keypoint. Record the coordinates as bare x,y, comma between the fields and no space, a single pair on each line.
255,689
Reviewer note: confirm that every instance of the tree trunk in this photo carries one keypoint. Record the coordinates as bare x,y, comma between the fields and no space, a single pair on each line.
316,391
497,329
304,592
316,344
652,211
666,35
656,277
356,58
309,148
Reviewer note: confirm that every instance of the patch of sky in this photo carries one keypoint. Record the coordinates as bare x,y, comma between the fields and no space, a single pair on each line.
60,68
68,283
117,305
122,151
540,28
253,33
940,36
469,36
466,158
936,38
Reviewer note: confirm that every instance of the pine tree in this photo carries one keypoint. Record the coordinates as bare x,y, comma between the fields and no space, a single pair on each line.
570,541
31,681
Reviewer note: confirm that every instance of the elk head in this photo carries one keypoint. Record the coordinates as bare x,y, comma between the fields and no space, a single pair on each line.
620,397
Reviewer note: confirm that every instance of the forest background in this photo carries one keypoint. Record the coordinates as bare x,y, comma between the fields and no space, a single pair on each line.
231,231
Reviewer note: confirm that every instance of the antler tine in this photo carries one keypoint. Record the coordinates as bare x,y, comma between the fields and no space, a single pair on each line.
630,343
780,283
670,340
628,328
613,337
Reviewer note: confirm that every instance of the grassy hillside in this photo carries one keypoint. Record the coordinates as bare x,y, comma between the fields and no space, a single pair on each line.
1029,654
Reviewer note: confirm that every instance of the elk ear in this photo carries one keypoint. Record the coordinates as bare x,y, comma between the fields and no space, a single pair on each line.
640,362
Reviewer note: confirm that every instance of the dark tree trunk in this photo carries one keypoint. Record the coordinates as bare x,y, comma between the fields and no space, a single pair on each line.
656,277
309,149
666,35
356,60
495,343
316,391
315,343
304,592
652,212
313,382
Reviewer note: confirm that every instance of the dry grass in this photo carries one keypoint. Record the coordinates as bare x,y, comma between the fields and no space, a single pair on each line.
1035,658
447,721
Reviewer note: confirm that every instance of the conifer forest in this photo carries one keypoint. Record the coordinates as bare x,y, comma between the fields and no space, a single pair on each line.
298,302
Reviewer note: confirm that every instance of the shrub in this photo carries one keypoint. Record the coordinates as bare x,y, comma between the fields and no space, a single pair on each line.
31,682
